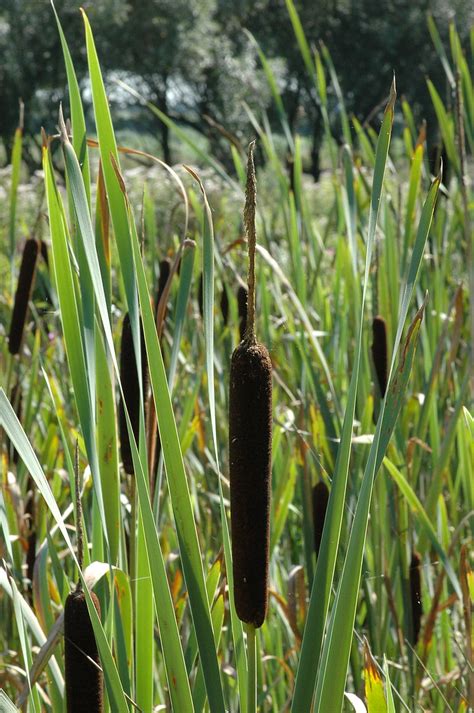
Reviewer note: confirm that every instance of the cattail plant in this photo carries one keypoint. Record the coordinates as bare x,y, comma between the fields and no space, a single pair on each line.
380,353
131,391
242,297
22,296
320,503
250,438
83,673
250,459
415,595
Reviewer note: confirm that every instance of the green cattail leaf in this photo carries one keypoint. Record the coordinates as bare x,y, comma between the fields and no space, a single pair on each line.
79,136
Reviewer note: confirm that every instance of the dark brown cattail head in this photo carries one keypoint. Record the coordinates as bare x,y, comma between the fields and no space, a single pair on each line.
201,295
83,678
250,448
320,504
165,267
242,295
380,353
131,391
224,305
415,595
250,443
22,296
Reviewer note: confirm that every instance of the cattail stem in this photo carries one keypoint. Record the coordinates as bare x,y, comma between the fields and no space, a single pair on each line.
252,669
250,231
80,534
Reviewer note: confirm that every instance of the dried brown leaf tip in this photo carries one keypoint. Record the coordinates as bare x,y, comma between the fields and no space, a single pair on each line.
22,295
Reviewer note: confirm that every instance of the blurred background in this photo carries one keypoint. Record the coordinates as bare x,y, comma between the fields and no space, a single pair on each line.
196,60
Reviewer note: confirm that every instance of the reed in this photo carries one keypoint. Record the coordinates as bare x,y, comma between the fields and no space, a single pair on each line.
22,295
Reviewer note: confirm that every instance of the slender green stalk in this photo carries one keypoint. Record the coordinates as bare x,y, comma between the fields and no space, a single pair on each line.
252,668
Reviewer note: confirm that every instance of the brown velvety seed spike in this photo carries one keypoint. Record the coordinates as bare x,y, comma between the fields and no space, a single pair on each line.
380,353
165,268
415,595
242,295
201,295
22,296
320,504
131,391
83,679
250,441
224,306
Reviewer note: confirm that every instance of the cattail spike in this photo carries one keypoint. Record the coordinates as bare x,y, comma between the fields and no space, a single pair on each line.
380,353
131,391
250,442
320,504
415,595
165,268
201,295
81,657
22,296
224,305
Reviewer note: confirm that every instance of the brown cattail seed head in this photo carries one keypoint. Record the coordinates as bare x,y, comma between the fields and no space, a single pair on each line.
380,353
22,296
242,295
320,504
250,441
201,295
131,391
415,595
83,678
224,305
165,268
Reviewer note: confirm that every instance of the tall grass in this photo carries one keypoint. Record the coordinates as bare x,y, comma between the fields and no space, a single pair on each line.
379,235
